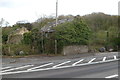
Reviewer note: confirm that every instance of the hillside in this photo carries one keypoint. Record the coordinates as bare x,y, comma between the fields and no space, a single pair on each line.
40,37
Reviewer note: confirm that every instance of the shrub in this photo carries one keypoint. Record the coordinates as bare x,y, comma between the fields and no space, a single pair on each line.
75,32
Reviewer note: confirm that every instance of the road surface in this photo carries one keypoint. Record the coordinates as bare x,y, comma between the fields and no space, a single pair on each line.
98,66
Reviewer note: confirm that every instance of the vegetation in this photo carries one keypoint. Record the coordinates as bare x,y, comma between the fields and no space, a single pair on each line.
95,30
75,32
15,49
105,30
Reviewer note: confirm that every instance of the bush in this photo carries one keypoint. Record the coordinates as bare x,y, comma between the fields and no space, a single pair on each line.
108,39
4,38
27,39
14,49
75,32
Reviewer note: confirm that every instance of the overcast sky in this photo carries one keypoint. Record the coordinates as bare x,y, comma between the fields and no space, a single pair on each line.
16,10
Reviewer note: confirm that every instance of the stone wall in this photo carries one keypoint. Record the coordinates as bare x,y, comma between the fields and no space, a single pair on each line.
67,50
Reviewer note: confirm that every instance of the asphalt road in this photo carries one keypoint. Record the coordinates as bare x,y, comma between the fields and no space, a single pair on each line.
89,71
97,66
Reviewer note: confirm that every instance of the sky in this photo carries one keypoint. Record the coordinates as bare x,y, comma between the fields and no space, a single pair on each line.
17,10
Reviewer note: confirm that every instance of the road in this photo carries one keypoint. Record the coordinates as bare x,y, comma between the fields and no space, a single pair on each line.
99,66
90,71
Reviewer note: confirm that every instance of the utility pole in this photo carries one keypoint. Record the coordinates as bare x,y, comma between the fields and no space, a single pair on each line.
56,25
56,12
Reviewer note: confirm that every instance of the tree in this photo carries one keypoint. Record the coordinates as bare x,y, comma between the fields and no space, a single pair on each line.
27,38
74,32
100,21
26,25
43,21
105,29
33,38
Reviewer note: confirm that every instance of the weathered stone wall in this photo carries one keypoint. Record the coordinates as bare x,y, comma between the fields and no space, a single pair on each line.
67,50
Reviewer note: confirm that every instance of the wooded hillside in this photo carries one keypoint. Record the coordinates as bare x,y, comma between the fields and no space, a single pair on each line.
95,30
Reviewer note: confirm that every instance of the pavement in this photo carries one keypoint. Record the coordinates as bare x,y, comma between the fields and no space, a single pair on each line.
102,65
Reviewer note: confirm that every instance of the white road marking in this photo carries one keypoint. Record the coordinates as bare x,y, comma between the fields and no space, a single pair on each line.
91,60
61,64
85,64
6,67
104,58
114,52
115,57
40,66
77,62
17,68
112,76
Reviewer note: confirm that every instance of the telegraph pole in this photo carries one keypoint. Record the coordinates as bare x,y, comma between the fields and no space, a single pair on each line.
56,12
56,25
